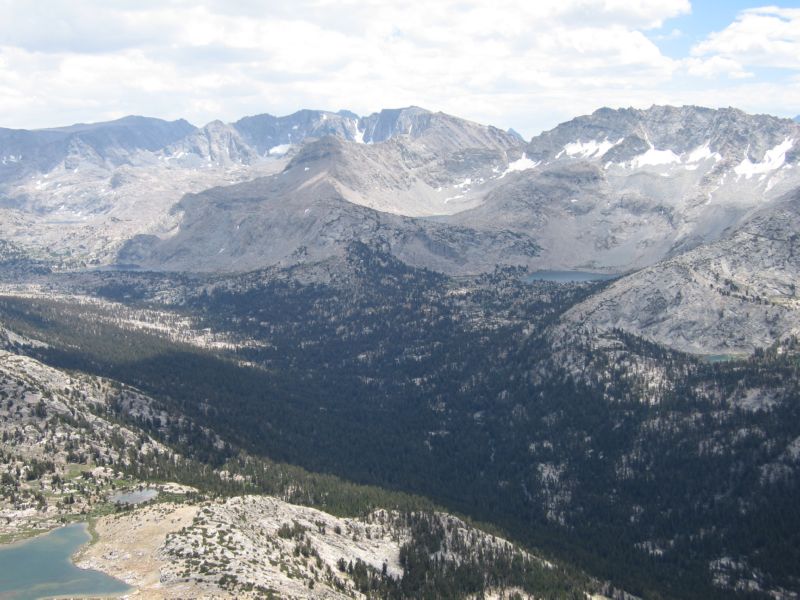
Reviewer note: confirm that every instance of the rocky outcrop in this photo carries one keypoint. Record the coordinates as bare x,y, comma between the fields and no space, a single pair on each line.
728,297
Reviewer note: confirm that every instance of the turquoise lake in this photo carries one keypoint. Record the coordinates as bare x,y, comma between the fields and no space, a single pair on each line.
42,568
569,276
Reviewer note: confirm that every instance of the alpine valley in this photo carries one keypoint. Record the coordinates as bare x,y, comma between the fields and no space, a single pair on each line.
406,355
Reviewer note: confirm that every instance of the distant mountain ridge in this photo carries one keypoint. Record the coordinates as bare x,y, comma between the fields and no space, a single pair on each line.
610,135
616,191
24,151
40,150
622,135
82,191
268,133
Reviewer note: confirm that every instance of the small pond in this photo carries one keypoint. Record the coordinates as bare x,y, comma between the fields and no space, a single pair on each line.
42,568
134,496
720,358
569,276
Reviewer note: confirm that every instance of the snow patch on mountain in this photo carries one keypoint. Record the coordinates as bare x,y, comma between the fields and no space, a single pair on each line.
654,158
279,150
702,153
521,164
774,159
588,149
359,135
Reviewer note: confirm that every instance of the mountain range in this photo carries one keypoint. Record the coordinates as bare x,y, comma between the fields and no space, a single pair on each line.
588,340
615,192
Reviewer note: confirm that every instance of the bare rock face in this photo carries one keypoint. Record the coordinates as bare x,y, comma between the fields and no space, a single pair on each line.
614,191
267,533
77,195
268,134
284,219
216,143
622,135
727,297
576,199
335,190
619,190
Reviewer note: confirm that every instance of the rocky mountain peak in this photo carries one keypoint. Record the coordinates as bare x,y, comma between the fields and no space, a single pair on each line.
677,133
216,143
439,129
272,135
391,122
321,152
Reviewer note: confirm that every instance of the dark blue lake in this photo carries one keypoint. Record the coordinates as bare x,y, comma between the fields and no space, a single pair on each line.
42,567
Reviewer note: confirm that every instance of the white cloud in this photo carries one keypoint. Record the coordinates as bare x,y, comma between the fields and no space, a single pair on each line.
716,66
512,63
759,37
640,14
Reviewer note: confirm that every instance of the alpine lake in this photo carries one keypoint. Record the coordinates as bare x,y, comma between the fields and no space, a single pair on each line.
41,567
569,276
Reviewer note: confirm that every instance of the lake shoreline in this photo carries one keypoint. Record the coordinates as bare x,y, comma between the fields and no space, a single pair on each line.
46,562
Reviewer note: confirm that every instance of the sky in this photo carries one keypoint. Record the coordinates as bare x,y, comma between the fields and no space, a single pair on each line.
512,63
